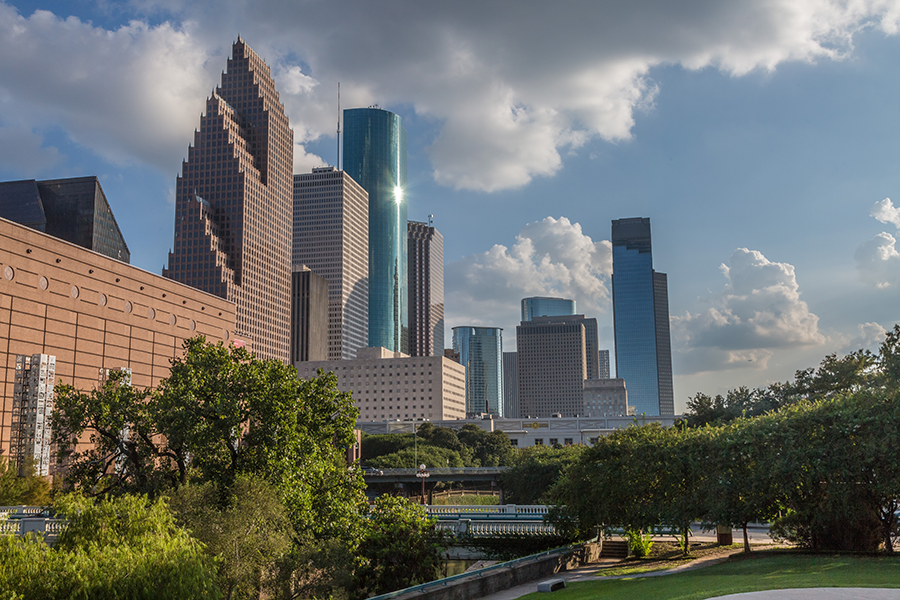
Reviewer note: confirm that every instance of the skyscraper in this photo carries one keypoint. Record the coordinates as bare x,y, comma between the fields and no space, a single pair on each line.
641,320
375,156
546,307
426,290
309,316
481,353
603,372
331,237
74,210
555,356
510,385
233,204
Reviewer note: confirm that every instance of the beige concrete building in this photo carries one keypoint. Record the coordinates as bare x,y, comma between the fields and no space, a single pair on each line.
551,353
391,386
606,398
331,238
92,313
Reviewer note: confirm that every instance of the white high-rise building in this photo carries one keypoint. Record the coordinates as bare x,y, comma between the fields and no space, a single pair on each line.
32,407
331,238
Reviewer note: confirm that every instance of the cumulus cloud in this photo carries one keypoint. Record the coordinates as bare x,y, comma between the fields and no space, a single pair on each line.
877,260
552,257
511,86
759,311
869,336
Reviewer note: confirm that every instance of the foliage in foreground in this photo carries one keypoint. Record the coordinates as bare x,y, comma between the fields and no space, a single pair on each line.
118,548
29,489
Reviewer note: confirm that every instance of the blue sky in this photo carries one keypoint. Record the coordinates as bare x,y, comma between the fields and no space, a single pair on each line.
761,138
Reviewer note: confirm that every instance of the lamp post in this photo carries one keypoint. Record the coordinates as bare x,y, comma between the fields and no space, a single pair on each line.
422,474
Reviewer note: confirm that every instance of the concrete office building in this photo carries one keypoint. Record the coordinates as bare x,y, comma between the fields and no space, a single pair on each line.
74,210
524,433
331,237
426,290
390,386
309,316
30,432
93,313
375,157
510,385
606,398
538,306
641,320
552,363
603,369
234,201
480,351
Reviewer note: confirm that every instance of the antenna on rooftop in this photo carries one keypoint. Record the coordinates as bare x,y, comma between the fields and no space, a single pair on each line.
338,163
431,220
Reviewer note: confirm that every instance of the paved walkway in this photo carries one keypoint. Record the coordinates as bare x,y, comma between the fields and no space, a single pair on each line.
818,594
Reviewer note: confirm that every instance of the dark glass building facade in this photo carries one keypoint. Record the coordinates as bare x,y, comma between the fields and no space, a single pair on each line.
74,210
426,290
309,316
375,157
481,353
546,307
641,320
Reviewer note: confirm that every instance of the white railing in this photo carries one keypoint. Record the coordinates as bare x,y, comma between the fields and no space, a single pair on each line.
21,520
518,510
495,528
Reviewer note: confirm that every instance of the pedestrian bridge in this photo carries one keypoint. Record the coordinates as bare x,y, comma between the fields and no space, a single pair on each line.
489,521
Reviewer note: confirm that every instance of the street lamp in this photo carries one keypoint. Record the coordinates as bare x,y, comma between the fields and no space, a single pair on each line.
422,474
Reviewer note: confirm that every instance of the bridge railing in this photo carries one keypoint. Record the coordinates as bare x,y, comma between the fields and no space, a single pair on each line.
515,511
495,528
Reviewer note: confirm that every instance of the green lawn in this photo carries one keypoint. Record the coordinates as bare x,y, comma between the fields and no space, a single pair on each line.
760,571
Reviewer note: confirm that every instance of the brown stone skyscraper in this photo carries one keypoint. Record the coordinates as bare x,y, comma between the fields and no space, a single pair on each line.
234,201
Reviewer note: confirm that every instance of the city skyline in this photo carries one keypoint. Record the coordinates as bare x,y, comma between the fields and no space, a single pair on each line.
764,159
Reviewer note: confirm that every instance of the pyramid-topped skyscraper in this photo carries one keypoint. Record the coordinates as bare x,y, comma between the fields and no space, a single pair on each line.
233,204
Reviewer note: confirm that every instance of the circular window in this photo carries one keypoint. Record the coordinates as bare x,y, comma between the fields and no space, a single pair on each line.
172,320
9,273
226,335
43,283
128,307
193,325
151,314
103,300
74,291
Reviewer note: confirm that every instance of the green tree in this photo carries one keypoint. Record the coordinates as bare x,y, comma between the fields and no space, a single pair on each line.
430,456
28,488
400,548
534,470
489,449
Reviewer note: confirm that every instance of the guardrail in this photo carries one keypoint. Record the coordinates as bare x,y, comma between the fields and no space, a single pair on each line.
22,520
502,511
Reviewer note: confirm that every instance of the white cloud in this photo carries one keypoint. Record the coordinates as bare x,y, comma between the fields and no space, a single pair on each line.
869,336
552,257
23,150
759,311
877,260
511,86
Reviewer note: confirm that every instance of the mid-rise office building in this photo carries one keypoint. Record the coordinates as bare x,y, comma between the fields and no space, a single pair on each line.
309,315
603,372
74,210
480,351
234,201
552,363
606,398
30,433
641,320
426,290
392,386
510,385
375,157
331,237
538,306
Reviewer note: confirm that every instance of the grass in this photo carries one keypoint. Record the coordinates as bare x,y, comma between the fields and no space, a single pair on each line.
665,556
762,570
468,500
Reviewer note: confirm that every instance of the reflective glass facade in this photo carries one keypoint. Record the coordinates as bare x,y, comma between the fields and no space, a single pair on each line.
426,290
546,307
481,353
375,157
641,320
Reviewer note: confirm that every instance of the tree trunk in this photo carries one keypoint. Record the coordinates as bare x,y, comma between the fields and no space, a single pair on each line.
746,538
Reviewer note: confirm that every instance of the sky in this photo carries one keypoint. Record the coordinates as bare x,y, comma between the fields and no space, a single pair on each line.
761,138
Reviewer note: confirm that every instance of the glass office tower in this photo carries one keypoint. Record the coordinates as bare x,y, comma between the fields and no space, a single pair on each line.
641,320
375,157
546,307
480,351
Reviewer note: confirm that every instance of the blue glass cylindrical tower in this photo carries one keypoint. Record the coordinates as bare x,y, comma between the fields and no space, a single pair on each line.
375,156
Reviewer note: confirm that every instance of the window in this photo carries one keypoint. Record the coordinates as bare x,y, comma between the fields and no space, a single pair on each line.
539,442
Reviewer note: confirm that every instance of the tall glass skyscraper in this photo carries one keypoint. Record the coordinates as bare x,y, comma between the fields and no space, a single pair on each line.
641,320
546,307
481,353
375,157
426,290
